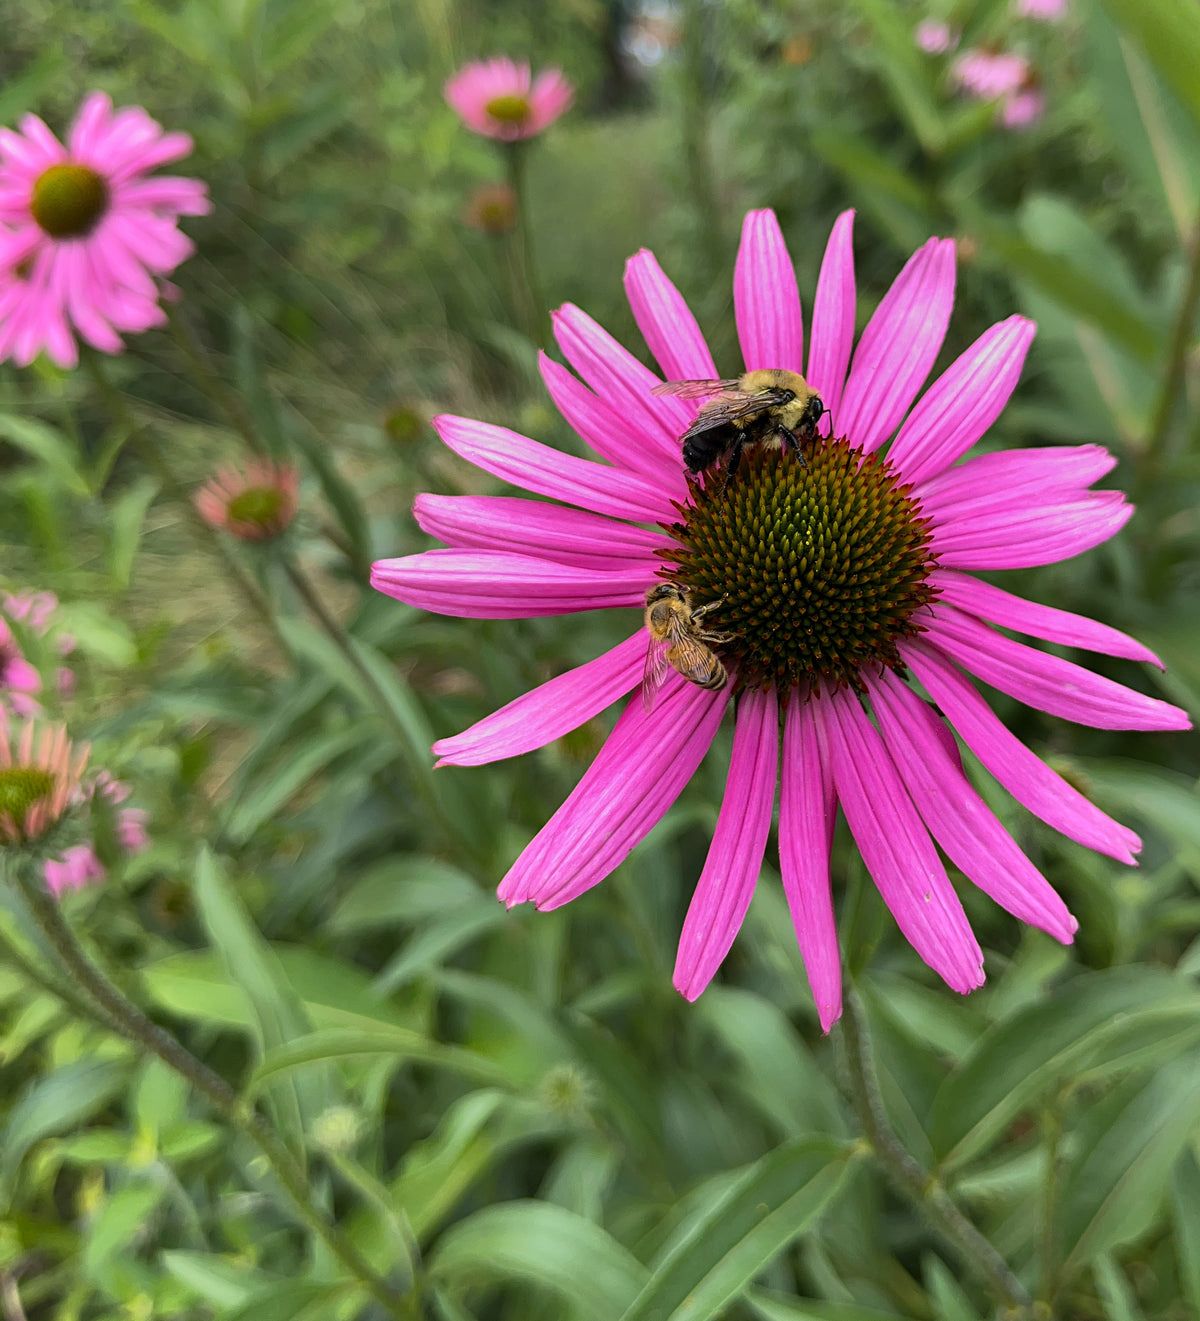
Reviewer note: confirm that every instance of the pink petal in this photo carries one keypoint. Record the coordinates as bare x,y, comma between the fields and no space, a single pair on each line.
1065,473
529,527
1019,536
626,791
165,192
735,856
19,676
620,380
898,347
1047,682
549,711
44,147
144,158
957,817
963,402
766,299
489,584
833,315
666,322
895,845
546,471
92,118
609,433
1039,621
807,810
1030,781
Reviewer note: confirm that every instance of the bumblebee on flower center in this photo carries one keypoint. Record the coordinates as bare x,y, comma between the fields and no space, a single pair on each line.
823,568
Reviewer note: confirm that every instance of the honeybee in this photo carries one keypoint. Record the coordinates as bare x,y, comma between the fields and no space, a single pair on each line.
679,642
755,407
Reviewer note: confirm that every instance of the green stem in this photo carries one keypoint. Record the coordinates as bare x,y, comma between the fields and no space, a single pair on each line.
530,304
14,957
1176,366
256,599
926,1191
129,1020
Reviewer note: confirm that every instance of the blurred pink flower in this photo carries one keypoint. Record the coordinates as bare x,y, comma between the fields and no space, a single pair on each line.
84,230
40,772
78,865
496,98
1023,108
256,504
934,37
988,75
835,580
19,680
73,870
36,607
1045,11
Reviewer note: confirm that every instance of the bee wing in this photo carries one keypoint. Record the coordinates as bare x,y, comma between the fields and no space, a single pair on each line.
694,660
656,669
694,389
731,406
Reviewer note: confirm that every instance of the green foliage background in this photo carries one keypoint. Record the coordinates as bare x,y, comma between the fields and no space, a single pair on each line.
513,1114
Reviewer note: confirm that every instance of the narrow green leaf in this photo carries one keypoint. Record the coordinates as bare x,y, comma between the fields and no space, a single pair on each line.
342,498
400,890
713,1258
47,445
950,1303
1185,1215
1115,1293
214,1279
119,1221
769,1306
1168,31
126,515
439,940
543,1245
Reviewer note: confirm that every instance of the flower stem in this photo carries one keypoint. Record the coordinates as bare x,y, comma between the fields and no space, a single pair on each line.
132,1024
526,289
1176,365
925,1190
256,599
211,383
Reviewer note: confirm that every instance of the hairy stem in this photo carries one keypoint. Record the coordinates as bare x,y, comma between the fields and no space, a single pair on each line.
925,1189
132,1023
527,291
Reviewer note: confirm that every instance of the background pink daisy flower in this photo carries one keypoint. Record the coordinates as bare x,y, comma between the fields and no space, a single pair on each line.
497,98
19,680
988,75
256,504
837,579
934,37
84,230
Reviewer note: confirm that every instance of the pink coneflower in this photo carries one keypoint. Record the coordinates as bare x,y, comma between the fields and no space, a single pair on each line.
1023,108
39,777
256,504
497,98
934,37
1044,11
988,75
19,680
84,230
837,580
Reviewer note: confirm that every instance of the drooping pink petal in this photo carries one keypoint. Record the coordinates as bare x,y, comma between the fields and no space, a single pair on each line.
490,584
1030,781
626,791
766,298
1046,682
1058,472
958,408
545,531
46,146
92,119
546,471
549,711
1039,621
957,817
1016,535
185,197
735,856
898,347
666,322
833,316
807,810
609,433
894,844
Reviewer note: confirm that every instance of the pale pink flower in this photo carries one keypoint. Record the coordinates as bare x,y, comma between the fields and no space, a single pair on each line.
1023,109
1044,11
19,680
85,230
80,864
935,37
75,868
40,772
256,504
988,75
836,580
497,98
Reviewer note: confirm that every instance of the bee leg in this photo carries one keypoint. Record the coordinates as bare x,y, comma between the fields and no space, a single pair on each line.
708,605
731,464
790,442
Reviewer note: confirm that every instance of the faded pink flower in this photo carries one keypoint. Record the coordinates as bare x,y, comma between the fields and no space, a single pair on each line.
77,866
80,864
836,580
1023,109
40,772
84,230
19,680
497,98
256,504
1044,11
491,208
988,75
934,37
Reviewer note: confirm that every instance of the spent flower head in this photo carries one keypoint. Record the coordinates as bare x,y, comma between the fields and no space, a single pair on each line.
492,208
40,772
256,503
85,230
499,99
829,577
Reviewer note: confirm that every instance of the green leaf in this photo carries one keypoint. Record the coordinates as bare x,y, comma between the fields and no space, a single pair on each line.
543,1245
120,1220
905,70
715,1255
438,941
949,1301
1115,1293
1185,1215
342,498
400,890
126,515
769,1306
213,1279
1169,33
45,444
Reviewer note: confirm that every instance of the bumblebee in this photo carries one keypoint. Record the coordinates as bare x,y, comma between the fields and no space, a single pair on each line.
679,642
760,406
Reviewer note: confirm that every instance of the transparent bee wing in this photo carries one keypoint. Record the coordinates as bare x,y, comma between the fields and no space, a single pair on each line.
655,671
694,389
698,664
731,406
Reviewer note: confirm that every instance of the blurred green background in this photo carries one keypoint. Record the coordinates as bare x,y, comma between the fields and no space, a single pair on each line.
514,1112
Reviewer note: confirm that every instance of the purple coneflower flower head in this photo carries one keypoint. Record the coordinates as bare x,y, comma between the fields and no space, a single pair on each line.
19,680
254,504
1044,11
498,98
85,230
1023,108
934,37
39,777
988,75
834,577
